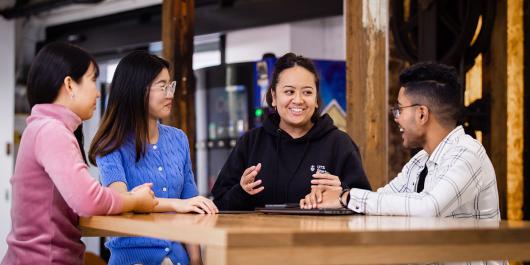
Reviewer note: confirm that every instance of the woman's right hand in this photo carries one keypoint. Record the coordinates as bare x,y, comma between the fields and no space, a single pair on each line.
144,198
248,180
197,204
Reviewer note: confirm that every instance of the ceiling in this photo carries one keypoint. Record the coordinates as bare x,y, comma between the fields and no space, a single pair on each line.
211,16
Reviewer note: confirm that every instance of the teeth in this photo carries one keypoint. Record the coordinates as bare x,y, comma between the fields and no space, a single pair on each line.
401,130
296,110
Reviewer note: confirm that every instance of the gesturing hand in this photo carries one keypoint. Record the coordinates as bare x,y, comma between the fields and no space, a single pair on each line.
248,181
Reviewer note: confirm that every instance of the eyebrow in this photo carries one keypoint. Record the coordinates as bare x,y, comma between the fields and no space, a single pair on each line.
290,86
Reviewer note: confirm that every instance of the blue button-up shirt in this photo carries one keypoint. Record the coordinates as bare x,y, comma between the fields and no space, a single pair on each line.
167,165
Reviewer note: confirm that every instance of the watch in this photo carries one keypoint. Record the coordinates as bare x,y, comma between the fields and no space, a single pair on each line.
344,205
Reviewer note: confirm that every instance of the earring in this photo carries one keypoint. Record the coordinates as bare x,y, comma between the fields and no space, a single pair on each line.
72,96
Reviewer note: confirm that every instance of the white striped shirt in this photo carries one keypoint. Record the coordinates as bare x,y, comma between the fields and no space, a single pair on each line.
460,183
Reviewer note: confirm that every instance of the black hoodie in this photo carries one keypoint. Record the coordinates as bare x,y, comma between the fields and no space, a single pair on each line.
287,164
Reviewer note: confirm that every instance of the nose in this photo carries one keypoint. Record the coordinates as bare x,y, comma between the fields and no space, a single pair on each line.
298,98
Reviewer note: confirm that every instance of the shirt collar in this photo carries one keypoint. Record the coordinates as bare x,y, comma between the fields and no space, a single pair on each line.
450,139
58,112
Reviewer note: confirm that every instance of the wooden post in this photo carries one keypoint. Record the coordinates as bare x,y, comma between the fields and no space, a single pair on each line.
366,78
526,127
503,81
495,82
515,107
177,36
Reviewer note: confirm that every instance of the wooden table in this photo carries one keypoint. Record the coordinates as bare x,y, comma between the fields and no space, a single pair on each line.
281,239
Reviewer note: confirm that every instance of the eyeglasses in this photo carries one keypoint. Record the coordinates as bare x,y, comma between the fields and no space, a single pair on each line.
396,110
169,89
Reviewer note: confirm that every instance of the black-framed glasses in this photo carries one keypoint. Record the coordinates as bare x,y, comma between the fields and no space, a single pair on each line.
396,110
169,88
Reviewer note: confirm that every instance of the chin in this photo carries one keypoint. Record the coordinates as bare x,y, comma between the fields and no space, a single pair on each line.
87,117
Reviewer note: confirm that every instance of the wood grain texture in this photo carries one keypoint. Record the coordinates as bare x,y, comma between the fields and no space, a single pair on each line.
178,18
281,239
515,109
366,84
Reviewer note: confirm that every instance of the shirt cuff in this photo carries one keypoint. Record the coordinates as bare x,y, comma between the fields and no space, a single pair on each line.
358,200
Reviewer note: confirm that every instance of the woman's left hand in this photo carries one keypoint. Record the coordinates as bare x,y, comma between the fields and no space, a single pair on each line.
325,179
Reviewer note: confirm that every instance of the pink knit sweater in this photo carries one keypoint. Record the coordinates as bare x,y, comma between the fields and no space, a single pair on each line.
51,189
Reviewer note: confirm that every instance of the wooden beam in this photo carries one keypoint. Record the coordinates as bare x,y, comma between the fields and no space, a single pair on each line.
366,80
526,129
495,82
177,36
515,107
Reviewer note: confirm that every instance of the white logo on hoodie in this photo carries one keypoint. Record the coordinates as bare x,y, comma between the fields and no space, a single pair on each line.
320,169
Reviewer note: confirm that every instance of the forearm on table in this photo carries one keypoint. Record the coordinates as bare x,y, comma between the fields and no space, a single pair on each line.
166,205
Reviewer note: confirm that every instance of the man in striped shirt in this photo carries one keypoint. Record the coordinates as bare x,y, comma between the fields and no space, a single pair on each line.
451,176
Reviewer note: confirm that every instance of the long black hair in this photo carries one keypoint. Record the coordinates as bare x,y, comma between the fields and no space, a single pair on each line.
128,104
53,63
287,61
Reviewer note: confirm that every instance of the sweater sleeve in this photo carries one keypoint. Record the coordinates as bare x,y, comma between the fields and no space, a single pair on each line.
228,194
190,188
352,174
111,168
57,151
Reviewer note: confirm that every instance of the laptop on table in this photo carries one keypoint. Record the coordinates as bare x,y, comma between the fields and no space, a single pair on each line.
294,209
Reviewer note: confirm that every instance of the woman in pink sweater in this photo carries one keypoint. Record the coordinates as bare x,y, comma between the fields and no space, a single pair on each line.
51,184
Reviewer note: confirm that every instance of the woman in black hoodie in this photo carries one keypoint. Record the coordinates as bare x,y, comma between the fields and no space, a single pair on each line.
276,163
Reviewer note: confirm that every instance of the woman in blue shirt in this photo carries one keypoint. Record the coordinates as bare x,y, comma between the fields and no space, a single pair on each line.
132,148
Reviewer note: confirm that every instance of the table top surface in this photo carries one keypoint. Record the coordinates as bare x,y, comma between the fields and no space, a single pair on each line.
263,230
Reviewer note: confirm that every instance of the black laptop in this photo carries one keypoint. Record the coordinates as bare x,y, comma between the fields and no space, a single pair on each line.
294,208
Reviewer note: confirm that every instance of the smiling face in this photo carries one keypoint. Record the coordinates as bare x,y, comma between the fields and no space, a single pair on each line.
295,98
86,94
160,101
412,132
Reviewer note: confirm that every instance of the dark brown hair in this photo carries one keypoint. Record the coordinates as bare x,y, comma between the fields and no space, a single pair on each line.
127,107
287,61
53,63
